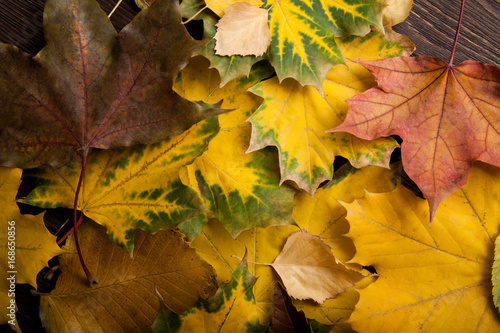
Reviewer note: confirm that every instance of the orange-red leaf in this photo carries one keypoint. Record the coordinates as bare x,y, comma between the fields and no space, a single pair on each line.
447,116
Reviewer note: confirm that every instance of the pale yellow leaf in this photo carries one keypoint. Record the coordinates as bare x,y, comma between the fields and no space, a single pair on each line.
243,30
396,11
309,270
219,6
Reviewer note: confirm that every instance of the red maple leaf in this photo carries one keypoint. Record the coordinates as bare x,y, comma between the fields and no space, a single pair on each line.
447,116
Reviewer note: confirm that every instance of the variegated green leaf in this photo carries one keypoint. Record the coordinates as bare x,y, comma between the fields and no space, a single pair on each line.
241,190
231,309
130,188
294,118
302,32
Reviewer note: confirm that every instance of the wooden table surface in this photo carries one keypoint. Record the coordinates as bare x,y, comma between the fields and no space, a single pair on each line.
431,26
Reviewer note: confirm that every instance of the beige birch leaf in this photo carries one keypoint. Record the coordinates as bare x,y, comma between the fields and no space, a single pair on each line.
309,270
243,30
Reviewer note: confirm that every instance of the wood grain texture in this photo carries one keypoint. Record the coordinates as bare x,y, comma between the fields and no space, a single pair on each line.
431,26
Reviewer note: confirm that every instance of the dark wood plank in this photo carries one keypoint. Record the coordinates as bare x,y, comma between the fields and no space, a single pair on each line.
432,25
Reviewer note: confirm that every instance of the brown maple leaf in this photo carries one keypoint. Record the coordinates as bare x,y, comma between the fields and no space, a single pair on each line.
447,116
89,87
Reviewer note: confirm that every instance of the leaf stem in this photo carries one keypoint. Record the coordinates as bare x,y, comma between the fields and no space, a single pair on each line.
194,15
450,63
66,235
90,277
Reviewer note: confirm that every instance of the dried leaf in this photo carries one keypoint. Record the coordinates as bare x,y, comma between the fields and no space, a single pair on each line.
231,309
309,270
131,188
243,30
396,11
430,278
285,317
447,116
324,216
89,87
125,300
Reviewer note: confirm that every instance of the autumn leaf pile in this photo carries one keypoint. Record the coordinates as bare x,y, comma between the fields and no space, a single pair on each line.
201,172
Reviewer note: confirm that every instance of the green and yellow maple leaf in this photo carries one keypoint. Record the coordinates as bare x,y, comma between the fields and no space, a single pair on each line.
302,34
124,300
303,43
131,188
430,278
294,118
231,309
241,190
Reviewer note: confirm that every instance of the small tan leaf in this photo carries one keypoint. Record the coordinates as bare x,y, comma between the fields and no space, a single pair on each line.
243,30
309,270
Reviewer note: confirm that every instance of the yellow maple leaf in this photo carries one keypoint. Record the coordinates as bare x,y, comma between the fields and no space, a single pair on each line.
430,278
243,30
33,244
294,118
